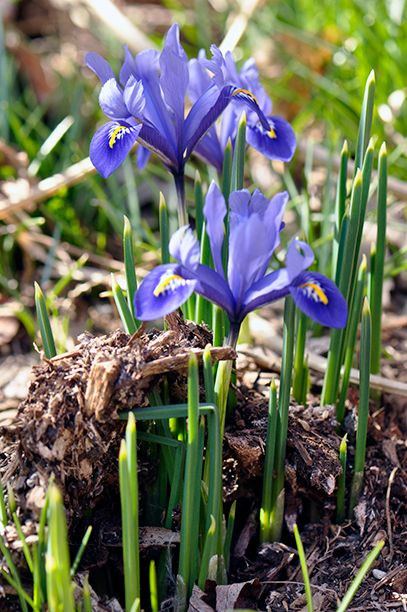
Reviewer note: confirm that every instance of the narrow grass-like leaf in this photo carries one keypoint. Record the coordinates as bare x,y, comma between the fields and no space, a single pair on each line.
266,505
124,312
227,169
44,323
164,230
357,581
365,123
300,374
340,495
3,509
304,569
332,374
350,343
86,598
21,536
208,375
209,547
13,578
363,409
237,179
152,579
378,275
229,534
277,513
58,567
130,535
129,266
190,507
81,550
340,202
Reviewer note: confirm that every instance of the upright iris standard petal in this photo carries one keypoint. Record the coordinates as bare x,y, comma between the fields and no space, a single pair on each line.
133,97
320,299
110,145
99,66
254,234
161,292
185,247
276,142
111,101
174,75
215,212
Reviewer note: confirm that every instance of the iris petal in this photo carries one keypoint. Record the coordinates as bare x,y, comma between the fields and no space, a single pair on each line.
203,114
185,247
320,299
277,142
162,291
174,75
111,101
268,289
299,257
110,145
215,212
133,97
99,66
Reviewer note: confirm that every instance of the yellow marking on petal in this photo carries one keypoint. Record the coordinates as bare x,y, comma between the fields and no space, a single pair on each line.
163,284
245,91
272,133
115,134
320,293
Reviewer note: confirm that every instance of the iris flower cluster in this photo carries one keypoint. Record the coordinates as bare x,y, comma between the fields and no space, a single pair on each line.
148,105
170,105
255,224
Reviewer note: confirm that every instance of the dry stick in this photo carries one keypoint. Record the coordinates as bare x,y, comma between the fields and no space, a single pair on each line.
321,156
239,24
388,515
263,332
47,188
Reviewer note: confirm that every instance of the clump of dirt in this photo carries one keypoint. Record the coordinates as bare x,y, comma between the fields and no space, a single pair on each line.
69,427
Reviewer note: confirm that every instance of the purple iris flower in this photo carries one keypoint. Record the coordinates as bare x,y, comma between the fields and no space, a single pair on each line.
275,139
148,105
254,234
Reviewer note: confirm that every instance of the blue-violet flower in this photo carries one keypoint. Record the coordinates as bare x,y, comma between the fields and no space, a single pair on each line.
254,233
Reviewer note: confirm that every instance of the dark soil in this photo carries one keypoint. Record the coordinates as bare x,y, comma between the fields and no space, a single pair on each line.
68,427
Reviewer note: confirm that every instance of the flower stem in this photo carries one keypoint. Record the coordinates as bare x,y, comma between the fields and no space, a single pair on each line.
179,180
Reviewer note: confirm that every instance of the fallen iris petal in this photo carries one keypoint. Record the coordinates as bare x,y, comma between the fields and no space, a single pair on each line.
278,142
110,145
320,299
162,291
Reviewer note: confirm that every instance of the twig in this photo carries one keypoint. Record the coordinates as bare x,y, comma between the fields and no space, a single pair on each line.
388,515
46,188
264,334
239,24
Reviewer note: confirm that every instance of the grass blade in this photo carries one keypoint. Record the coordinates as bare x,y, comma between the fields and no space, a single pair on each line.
44,323
357,581
363,409
304,569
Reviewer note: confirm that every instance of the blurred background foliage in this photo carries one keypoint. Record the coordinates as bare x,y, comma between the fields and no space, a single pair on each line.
314,59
